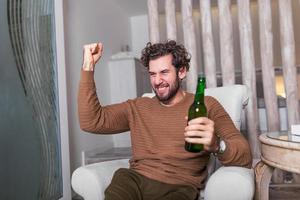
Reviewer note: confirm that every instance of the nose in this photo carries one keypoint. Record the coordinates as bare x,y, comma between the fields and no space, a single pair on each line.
157,80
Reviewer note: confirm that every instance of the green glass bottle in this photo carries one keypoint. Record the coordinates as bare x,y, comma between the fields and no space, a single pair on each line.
197,109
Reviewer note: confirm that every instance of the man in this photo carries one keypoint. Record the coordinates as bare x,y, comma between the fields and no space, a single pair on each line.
160,168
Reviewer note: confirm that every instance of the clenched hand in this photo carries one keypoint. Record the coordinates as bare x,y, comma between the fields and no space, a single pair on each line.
91,54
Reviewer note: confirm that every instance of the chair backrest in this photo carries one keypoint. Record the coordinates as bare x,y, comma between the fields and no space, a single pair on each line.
233,98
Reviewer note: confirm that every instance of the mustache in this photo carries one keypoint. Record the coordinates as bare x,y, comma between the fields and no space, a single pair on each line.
161,85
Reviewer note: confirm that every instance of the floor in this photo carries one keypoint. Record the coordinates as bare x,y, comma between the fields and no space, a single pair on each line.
284,193
76,197
276,193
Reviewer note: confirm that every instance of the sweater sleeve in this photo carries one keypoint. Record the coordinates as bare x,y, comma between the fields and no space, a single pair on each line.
95,118
237,151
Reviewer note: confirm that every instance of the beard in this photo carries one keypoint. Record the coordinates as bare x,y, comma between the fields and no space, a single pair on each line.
173,89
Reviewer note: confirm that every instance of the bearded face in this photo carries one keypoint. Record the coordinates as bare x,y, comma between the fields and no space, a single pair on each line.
165,80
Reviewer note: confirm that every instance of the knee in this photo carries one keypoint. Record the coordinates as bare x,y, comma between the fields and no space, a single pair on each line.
232,183
123,186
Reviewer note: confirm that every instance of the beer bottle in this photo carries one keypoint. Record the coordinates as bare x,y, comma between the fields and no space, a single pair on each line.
197,109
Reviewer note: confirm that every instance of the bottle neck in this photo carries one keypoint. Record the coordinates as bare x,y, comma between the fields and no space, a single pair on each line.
199,96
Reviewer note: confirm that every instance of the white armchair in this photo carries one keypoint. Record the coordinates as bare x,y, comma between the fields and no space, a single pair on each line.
232,183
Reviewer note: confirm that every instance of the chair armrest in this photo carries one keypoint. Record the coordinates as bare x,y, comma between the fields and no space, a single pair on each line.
234,182
90,181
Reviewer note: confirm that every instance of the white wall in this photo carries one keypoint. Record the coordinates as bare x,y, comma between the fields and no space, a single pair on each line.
86,22
139,33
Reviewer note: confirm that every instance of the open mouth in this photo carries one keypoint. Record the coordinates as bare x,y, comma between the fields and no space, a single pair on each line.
162,89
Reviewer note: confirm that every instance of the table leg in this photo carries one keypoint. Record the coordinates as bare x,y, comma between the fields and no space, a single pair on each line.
263,174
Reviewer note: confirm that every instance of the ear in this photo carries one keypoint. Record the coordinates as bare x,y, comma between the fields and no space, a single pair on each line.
182,72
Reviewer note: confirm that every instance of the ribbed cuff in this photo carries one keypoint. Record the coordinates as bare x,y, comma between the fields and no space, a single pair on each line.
87,76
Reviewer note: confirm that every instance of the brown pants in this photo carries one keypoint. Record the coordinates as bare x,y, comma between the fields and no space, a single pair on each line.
127,184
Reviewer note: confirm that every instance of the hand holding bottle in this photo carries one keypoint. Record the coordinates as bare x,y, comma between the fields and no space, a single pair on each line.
91,54
201,131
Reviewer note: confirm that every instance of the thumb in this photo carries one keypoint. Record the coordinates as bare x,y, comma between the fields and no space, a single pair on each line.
98,52
94,48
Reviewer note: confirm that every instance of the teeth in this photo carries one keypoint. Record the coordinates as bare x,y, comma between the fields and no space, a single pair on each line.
161,88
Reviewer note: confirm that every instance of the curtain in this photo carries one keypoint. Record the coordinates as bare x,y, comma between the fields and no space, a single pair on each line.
32,35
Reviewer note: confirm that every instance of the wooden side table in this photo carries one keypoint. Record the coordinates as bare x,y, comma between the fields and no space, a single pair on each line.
278,150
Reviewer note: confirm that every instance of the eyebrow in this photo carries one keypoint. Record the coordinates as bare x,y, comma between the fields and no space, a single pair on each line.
162,71
165,70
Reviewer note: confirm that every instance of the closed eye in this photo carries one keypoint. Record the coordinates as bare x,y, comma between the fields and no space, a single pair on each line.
151,74
165,71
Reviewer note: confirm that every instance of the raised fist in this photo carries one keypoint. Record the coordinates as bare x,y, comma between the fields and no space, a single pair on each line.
91,54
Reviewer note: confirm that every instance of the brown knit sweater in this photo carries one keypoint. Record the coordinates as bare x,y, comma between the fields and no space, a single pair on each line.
157,134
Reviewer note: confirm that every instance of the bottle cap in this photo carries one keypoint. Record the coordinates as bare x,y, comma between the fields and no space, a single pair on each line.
201,75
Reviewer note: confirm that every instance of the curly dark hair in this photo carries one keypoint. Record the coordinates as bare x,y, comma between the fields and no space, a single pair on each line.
181,58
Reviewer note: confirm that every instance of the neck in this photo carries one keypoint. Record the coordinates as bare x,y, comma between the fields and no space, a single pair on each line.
199,97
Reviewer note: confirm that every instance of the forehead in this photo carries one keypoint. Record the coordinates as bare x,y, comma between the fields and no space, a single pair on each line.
161,63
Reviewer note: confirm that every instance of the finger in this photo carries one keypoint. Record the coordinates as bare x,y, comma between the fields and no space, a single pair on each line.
199,127
85,47
201,120
88,61
89,46
199,140
193,134
86,51
202,134
198,120
196,140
